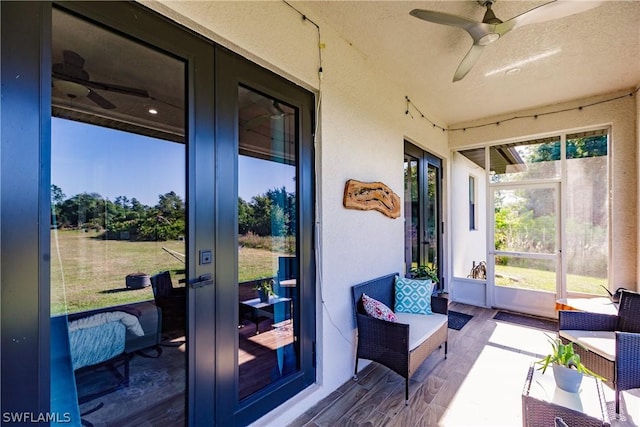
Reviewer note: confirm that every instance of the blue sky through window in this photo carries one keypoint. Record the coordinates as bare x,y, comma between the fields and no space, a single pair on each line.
94,159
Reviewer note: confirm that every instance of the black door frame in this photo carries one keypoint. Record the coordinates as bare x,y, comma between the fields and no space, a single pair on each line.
24,203
231,72
426,159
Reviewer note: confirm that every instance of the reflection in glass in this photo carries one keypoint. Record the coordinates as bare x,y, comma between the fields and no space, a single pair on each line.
521,161
432,216
587,212
526,273
411,213
117,222
268,333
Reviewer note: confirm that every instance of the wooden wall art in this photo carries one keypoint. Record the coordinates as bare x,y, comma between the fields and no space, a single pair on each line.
367,196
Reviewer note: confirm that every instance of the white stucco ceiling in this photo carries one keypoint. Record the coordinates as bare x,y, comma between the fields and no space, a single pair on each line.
591,53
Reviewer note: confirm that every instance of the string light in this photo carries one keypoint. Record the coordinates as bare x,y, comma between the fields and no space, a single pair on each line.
320,44
528,116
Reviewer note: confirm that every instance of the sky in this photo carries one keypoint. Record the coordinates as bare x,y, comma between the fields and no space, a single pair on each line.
93,159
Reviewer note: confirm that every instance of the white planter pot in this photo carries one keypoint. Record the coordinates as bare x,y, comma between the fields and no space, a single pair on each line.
567,379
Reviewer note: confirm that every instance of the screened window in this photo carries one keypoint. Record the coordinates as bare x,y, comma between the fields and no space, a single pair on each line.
525,161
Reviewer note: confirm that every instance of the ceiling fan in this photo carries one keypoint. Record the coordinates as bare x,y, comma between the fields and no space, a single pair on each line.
275,112
74,81
491,28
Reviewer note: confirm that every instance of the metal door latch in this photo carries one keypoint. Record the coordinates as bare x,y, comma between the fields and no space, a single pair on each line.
204,280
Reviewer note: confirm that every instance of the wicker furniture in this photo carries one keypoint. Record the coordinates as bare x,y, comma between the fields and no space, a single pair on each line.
172,303
612,342
592,305
543,402
388,343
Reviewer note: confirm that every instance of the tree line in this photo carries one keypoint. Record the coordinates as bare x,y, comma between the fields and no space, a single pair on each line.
269,214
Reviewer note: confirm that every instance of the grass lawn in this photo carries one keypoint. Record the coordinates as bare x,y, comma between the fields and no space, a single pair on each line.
529,278
88,272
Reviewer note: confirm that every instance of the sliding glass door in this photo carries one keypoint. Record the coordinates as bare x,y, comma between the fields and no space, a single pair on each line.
422,210
128,145
167,216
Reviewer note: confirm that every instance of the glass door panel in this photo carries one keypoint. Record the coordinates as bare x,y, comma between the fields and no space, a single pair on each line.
268,292
432,231
411,213
422,210
118,227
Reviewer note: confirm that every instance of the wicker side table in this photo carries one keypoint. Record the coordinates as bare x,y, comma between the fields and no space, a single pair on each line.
542,401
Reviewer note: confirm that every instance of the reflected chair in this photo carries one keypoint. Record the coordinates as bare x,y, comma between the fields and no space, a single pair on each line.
99,341
608,344
287,270
172,303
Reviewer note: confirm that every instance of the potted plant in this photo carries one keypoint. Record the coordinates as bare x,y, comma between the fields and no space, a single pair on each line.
567,367
265,290
425,272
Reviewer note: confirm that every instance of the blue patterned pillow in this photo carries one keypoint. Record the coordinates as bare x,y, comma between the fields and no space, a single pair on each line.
413,296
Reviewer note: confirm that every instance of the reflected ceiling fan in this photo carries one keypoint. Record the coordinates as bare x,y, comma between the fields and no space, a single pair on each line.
275,112
74,81
491,28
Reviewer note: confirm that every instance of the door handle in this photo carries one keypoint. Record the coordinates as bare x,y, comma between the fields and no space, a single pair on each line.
204,280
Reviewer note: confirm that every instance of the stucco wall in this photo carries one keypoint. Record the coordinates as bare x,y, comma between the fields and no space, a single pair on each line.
362,127
467,245
622,116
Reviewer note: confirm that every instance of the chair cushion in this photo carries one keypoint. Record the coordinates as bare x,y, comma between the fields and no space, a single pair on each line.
413,296
421,327
96,344
602,343
128,320
631,400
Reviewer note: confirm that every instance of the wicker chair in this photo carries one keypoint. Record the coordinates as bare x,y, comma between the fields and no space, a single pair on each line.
620,362
386,342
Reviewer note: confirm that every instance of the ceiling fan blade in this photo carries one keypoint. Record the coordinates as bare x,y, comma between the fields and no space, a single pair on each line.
548,12
98,99
72,58
125,90
256,121
109,87
476,30
442,18
467,63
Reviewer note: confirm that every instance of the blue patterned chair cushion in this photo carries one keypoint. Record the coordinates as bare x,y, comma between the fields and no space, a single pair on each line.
97,338
413,296
90,346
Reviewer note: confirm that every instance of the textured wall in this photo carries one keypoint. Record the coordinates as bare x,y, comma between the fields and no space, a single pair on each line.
467,245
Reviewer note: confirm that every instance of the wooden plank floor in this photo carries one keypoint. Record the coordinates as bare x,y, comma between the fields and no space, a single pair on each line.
479,384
